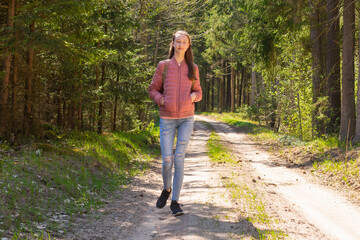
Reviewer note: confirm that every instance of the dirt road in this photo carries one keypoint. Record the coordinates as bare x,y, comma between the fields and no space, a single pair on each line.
299,209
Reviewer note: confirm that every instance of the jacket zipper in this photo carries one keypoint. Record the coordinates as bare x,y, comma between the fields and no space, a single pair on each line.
178,97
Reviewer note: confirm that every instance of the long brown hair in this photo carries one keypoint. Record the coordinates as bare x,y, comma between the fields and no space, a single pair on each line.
189,58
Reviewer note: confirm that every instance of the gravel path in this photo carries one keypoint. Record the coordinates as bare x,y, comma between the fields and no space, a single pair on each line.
301,210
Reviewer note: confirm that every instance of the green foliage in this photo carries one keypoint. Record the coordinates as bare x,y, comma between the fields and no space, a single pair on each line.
273,39
96,52
295,105
86,54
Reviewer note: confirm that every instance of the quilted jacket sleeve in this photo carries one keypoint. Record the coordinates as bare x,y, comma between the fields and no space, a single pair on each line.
197,88
156,85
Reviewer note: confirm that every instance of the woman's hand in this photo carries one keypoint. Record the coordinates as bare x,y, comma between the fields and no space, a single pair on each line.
162,101
193,96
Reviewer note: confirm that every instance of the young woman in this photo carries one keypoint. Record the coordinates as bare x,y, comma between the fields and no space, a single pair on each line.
175,87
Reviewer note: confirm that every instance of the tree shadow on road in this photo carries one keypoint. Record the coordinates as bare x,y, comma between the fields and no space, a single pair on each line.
207,222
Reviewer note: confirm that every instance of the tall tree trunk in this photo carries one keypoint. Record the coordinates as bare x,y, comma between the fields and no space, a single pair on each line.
59,112
236,86
241,87
15,86
4,109
205,92
14,105
80,113
95,117
115,103
59,104
275,108
299,113
101,104
228,85
232,88
157,39
79,121
225,93
222,90
218,93
71,114
347,124
64,108
202,104
115,113
208,100
253,87
357,129
237,99
317,55
244,88
143,27
333,66
212,92
28,109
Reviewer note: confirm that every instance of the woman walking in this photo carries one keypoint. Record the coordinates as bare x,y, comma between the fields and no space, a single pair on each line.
175,87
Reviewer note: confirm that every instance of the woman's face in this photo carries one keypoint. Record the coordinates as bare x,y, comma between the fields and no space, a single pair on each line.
181,44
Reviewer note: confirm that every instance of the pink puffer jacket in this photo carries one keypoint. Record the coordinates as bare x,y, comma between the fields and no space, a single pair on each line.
177,90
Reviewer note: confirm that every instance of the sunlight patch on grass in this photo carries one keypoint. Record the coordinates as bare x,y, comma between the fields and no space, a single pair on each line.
235,119
44,185
217,151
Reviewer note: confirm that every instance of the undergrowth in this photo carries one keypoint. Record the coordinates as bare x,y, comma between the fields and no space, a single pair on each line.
45,184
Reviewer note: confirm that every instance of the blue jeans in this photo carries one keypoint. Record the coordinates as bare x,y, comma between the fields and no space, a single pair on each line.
182,128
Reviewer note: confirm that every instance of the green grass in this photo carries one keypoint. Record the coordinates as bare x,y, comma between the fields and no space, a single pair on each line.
347,173
44,185
217,151
251,203
235,119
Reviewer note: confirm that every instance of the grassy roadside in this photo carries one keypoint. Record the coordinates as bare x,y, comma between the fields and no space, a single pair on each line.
249,199
331,161
45,184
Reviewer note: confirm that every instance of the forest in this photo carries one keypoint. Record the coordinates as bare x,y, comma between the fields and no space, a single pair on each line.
86,65
78,128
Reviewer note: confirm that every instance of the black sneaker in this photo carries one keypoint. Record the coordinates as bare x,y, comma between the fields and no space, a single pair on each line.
176,209
161,202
